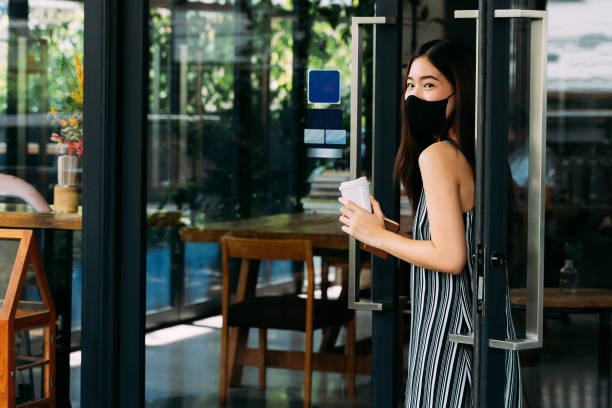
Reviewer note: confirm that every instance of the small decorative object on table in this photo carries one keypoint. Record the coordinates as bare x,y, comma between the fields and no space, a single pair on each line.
65,193
69,140
567,277
568,273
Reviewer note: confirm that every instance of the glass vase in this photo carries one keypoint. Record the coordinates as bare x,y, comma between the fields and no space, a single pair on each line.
567,277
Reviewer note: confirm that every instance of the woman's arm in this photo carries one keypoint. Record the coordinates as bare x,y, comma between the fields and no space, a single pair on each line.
446,250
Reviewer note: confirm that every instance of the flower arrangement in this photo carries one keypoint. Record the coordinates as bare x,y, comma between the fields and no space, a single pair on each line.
70,117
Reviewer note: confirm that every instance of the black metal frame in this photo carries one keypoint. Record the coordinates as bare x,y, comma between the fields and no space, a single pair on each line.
387,83
492,204
114,198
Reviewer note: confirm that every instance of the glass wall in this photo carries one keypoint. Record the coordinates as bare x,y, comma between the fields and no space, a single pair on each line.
228,106
572,369
41,97
39,43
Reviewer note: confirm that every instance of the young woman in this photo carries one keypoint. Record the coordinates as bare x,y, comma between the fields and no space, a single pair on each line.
435,164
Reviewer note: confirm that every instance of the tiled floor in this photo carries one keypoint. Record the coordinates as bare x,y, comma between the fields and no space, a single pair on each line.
183,363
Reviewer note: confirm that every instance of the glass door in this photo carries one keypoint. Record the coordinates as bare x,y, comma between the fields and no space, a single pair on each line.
544,170
249,134
511,49
572,367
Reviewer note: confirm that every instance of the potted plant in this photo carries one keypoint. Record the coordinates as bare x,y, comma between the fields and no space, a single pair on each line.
69,139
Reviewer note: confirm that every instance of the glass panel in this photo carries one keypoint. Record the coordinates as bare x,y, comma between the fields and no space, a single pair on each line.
158,271
29,385
8,253
572,367
30,299
41,95
29,363
77,280
29,344
40,41
228,111
203,279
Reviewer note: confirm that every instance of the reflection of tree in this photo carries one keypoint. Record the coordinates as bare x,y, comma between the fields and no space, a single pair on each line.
40,45
248,158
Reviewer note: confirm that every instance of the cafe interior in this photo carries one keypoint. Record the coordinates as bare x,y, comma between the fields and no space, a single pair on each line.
227,165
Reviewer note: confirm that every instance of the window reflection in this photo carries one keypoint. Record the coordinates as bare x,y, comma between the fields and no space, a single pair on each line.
578,193
38,43
227,111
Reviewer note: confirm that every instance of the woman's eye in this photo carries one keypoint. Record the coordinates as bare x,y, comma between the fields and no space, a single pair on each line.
410,85
429,85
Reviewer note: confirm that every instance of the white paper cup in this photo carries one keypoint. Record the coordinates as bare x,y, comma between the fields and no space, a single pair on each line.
358,191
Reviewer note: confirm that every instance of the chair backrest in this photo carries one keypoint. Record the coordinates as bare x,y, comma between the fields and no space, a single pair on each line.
267,249
11,186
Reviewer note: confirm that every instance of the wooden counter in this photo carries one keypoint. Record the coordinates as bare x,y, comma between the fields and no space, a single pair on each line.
581,299
324,230
18,216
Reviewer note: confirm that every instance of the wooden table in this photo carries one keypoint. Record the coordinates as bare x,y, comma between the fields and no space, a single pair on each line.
59,275
17,216
585,300
324,230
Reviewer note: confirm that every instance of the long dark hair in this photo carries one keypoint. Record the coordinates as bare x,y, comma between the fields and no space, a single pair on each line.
456,62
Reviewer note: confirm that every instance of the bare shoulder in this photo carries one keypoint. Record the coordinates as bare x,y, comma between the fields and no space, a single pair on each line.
439,155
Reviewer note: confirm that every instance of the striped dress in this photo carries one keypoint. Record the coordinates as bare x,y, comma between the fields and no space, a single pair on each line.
440,371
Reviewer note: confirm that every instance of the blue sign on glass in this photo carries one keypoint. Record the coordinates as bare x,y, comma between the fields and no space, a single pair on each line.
334,136
324,119
323,86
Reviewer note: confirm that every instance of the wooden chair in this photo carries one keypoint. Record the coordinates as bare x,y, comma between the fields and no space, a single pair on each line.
277,312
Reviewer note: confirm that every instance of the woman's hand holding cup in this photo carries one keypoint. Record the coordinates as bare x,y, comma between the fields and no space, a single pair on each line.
365,226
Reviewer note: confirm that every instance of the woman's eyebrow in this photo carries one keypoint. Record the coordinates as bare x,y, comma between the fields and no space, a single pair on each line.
425,77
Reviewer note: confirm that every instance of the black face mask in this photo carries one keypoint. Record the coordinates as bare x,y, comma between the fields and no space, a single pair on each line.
425,118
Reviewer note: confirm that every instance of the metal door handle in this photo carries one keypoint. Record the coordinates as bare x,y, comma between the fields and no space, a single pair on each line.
534,307
355,150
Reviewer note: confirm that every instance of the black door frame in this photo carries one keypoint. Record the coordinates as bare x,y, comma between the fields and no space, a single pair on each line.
114,198
492,204
387,97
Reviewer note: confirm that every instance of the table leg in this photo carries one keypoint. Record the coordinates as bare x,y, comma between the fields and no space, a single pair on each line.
57,262
604,359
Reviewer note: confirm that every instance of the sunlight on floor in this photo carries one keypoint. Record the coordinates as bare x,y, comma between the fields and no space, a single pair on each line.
173,334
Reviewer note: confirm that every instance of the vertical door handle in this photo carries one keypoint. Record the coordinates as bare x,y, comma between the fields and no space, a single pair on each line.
355,149
534,307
